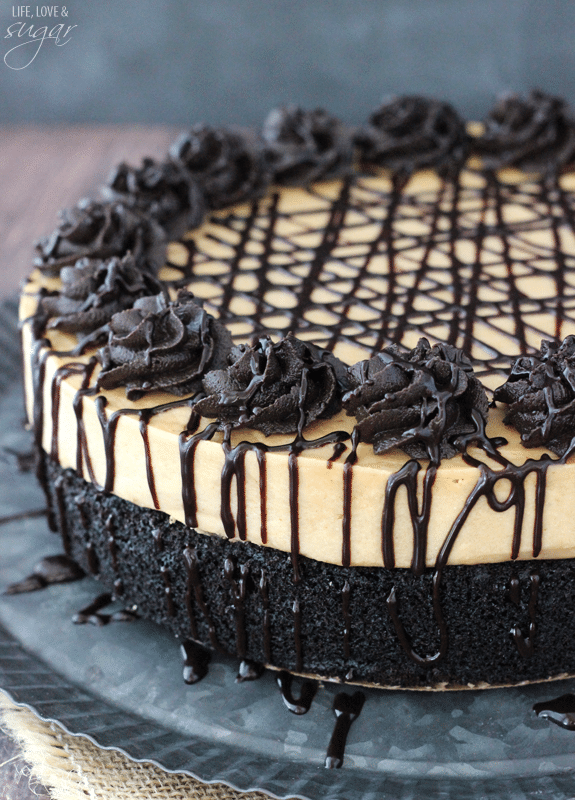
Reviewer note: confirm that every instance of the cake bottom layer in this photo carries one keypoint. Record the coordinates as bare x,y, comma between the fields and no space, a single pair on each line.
472,625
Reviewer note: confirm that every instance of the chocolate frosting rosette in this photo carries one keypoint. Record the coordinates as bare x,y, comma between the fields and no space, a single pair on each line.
101,230
305,146
269,386
540,394
421,401
92,291
410,133
165,346
536,133
229,165
161,189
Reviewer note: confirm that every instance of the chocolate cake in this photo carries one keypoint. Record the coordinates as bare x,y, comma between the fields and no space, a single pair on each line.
329,428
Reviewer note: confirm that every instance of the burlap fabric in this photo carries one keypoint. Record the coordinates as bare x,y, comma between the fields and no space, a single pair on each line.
72,768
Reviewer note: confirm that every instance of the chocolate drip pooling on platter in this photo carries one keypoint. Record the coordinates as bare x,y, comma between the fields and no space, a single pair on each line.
50,570
92,614
196,661
474,212
297,705
347,708
560,711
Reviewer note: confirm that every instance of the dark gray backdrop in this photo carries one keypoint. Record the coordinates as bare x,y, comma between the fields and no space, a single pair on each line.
180,61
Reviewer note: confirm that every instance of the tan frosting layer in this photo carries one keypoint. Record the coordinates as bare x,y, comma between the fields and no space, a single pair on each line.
345,309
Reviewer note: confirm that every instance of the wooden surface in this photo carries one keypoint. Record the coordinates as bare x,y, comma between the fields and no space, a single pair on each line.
41,171
45,169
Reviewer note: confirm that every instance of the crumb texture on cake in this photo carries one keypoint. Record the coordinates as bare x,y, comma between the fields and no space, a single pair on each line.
241,599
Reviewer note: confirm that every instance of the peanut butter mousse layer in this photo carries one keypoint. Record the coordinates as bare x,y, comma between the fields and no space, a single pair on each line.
484,263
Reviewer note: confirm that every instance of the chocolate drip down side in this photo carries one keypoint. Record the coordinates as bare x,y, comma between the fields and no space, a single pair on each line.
481,645
484,488
489,476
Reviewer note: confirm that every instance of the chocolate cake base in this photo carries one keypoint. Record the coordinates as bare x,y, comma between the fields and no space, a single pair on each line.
490,624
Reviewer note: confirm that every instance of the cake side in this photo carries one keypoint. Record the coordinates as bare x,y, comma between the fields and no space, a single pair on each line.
334,623
478,264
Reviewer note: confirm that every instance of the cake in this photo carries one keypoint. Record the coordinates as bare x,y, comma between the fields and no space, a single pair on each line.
273,431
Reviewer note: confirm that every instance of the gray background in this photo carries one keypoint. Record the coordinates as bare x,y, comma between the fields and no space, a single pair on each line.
181,61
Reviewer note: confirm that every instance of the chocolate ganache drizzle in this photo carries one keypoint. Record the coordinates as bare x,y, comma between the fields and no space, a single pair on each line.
540,394
536,133
305,146
162,345
410,133
101,230
427,401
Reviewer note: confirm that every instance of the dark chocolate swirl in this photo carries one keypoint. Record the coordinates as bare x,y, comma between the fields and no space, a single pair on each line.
273,387
161,189
101,230
305,146
421,401
162,346
540,394
536,133
229,165
411,133
92,291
